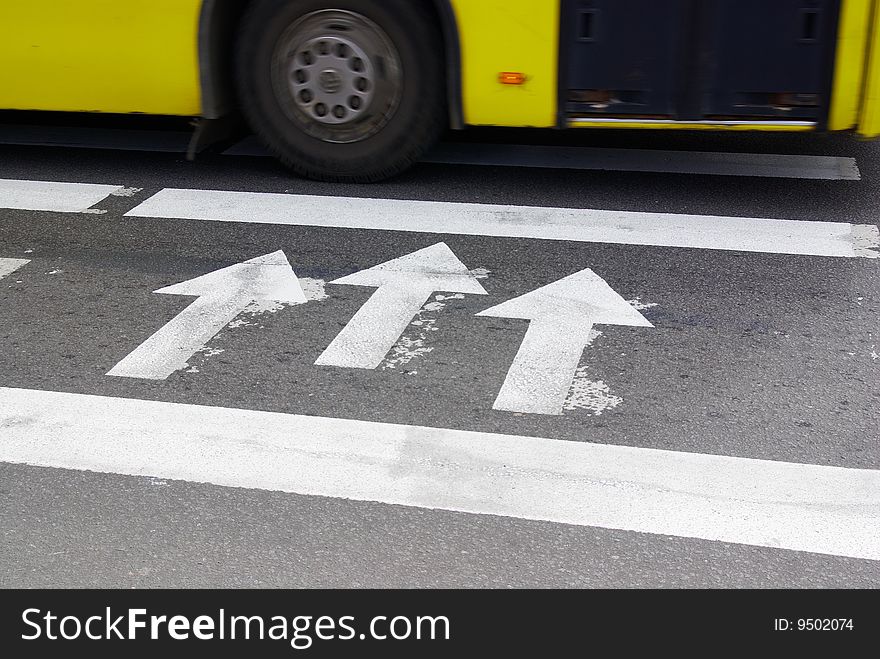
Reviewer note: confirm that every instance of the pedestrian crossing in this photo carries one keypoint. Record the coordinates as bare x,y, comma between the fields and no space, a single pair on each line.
764,503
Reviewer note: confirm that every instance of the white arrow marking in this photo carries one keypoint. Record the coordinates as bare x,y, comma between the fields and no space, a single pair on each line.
8,266
562,315
404,285
222,295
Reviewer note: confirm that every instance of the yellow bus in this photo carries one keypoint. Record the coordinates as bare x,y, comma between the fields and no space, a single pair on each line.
356,90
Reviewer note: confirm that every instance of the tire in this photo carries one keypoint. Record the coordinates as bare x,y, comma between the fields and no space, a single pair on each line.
342,90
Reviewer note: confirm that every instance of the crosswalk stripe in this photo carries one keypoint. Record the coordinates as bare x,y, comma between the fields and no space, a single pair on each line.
772,236
52,196
822,509
765,165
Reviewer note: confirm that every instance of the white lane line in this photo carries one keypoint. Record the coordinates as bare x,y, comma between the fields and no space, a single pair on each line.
647,160
768,165
52,196
828,510
581,225
8,266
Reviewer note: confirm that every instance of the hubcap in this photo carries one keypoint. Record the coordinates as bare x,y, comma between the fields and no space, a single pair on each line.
337,75
330,81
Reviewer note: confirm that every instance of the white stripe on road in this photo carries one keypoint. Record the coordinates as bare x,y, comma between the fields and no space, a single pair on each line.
52,196
600,226
829,510
625,160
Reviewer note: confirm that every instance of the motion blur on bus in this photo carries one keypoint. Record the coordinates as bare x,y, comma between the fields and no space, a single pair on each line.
358,90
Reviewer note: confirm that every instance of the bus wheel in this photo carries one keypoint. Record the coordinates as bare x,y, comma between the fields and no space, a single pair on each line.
342,90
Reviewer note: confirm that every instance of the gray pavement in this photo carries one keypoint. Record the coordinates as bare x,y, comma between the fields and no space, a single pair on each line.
752,355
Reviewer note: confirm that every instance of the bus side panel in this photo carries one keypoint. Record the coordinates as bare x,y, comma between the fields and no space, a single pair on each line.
869,118
100,56
520,36
849,67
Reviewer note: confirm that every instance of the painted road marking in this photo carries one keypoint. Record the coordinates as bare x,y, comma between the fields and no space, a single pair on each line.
403,286
828,510
53,196
8,266
561,316
221,296
745,234
768,165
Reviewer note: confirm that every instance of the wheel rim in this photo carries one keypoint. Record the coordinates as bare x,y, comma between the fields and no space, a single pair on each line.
337,76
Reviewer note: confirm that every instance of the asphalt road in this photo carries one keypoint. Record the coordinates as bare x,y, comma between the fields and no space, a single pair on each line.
758,355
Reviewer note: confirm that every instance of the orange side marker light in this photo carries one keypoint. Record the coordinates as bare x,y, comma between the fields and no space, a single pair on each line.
511,78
